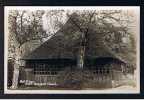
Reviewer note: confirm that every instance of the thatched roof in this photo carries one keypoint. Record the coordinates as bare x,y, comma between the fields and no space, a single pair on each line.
59,47
65,44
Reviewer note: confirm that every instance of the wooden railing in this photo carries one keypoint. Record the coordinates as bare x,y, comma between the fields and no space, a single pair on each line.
99,78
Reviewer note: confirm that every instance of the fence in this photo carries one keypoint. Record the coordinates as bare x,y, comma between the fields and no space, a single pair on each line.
88,77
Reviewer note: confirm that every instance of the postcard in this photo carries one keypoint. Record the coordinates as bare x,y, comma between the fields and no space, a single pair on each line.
72,50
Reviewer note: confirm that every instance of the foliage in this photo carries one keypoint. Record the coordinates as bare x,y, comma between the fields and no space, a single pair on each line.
24,26
111,28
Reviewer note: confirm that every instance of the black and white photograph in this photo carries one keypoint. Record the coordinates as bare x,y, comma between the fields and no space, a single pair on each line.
72,50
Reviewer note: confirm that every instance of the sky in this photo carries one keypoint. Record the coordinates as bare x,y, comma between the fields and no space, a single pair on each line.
133,10
48,20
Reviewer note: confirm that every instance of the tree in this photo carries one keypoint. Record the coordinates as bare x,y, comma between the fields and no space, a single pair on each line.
113,29
24,27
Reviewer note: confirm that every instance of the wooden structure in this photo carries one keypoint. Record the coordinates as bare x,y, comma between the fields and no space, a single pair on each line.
55,61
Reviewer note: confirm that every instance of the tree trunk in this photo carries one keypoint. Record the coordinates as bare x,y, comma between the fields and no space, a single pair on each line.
16,68
15,76
80,63
81,57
